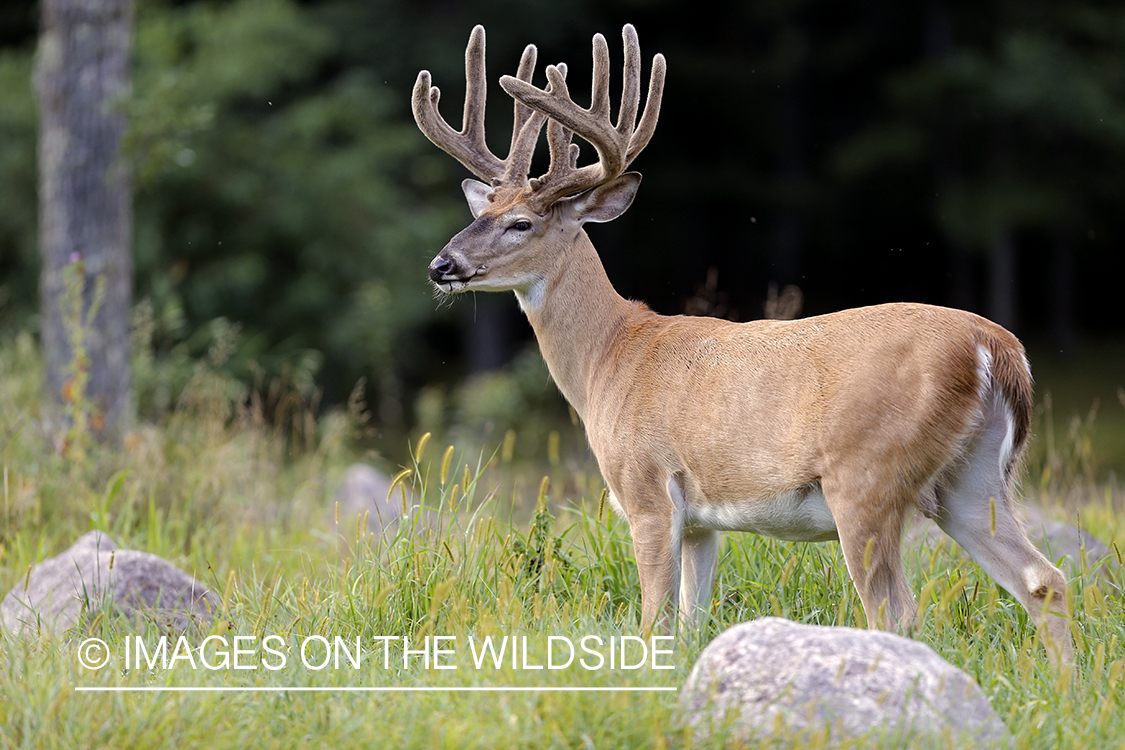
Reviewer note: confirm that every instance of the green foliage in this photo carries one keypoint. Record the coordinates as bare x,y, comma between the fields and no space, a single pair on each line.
519,401
1080,417
1039,79
281,186
276,195
83,419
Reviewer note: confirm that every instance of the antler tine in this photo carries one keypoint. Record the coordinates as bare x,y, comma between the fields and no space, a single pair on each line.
525,131
631,84
468,145
645,128
564,158
524,73
599,85
616,145
563,175
593,124
476,92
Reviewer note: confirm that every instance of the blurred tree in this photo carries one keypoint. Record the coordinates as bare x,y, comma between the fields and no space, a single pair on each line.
19,256
85,213
1022,115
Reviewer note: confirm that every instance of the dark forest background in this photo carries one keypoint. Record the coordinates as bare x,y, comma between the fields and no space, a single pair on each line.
969,154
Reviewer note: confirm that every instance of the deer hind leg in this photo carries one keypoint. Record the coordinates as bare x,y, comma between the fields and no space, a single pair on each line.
870,529
976,510
699,553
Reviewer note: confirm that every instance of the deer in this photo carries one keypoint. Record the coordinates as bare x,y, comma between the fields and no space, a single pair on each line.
837,426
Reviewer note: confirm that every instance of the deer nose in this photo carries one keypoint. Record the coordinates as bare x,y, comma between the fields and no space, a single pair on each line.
440,267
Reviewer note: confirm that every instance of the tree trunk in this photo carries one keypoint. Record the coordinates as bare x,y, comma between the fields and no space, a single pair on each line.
1062,291
947,137
789,237
85,215
1002,280
1003,292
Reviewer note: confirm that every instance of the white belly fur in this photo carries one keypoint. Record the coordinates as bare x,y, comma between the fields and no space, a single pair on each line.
801,515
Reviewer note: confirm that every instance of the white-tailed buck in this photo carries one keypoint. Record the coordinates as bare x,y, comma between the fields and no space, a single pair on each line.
830,427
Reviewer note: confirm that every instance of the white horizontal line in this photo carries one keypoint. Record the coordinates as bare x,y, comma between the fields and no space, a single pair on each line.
504,689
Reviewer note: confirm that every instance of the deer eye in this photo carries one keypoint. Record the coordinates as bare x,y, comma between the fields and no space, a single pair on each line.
522,225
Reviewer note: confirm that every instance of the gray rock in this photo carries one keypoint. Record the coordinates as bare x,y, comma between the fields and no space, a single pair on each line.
97,574
363,490
772,680
1079,550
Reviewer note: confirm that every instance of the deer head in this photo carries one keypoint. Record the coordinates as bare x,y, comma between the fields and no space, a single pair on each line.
521,224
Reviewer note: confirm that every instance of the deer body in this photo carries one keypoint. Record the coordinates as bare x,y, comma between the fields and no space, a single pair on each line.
836,426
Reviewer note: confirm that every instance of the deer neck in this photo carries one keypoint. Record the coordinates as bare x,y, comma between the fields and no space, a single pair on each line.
577,317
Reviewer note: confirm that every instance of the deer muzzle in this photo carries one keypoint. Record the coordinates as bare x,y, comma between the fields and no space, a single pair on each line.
450,274
443,268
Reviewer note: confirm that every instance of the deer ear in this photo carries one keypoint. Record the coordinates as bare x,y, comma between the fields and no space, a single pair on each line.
476,193
605,202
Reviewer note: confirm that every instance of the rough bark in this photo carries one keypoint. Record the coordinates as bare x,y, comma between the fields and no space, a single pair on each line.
85,212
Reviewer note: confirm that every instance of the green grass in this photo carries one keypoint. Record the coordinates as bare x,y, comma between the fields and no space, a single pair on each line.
1080,417
248,509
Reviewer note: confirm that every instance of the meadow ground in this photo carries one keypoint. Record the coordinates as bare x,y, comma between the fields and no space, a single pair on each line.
247,506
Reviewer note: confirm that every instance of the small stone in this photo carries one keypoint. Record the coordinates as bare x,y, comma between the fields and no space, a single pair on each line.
93,573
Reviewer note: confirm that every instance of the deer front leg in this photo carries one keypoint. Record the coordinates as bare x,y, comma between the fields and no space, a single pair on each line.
657,568
656,547
676,564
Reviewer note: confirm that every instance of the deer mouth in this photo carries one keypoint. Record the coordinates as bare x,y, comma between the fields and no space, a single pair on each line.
452,283
452,286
